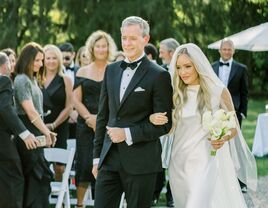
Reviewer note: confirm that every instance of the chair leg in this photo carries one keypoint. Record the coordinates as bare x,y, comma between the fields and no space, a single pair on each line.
67,199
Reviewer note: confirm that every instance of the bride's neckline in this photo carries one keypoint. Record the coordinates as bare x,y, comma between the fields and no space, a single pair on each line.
193,87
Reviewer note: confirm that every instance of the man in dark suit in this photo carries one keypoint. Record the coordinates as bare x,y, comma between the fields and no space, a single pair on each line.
127,150
68,55
234,75
11,176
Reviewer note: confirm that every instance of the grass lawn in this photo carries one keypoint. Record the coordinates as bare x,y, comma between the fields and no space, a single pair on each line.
255,107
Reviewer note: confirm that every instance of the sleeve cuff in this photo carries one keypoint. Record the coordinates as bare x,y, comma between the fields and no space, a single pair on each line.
128,136
96,161
243,116
24,134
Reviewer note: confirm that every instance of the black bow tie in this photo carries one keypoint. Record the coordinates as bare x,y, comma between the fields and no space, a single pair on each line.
226,64
131,65
69,68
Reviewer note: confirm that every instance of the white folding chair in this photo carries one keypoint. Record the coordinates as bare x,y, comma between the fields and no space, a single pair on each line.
71,143
60,189
123,203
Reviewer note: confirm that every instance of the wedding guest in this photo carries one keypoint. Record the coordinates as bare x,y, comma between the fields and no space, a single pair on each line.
151,52
101,49
29,106
11,175
234,76
198,179
81,58
57,93
12,59
68,55
127,150
166,50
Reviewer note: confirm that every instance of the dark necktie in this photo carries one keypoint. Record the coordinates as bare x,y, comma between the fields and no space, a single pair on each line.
226,64
131,65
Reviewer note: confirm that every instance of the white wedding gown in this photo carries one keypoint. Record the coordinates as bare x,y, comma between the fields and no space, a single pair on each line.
197,179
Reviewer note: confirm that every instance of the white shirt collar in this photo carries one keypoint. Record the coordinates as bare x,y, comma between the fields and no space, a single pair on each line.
127,60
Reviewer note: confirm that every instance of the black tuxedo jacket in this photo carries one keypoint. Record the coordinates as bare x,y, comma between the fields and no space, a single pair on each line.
237,85
148,92
10,124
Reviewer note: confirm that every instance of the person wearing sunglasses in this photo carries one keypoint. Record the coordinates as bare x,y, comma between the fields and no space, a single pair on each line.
68,55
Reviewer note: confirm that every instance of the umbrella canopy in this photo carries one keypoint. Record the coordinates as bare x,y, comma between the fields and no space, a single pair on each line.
251,39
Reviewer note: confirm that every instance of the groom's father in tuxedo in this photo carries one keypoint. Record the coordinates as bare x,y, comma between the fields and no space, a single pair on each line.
234,75
11,176
127,150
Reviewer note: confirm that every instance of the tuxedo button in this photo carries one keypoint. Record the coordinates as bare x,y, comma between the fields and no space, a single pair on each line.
118,118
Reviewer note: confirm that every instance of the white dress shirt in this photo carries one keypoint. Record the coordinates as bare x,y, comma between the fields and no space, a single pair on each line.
224,71
125,80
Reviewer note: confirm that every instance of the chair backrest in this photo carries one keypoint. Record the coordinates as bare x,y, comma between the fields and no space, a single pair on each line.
71,143
62,156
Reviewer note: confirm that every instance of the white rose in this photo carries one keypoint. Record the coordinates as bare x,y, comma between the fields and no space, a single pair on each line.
220,115
207,118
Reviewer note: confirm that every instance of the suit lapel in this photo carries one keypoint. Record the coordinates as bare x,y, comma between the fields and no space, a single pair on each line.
117,82
216,69
141,71
232,72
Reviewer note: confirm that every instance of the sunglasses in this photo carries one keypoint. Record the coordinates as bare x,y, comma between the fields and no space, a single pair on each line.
67,58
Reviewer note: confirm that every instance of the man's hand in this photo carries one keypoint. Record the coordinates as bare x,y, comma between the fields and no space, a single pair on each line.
95,170
116,134
31,142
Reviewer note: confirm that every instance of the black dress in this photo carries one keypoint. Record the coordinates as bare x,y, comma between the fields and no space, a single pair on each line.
54,100
84,134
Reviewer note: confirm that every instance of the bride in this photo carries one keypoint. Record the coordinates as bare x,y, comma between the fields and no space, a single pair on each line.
197,179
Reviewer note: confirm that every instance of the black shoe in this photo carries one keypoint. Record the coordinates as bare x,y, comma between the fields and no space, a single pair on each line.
170,203
154,203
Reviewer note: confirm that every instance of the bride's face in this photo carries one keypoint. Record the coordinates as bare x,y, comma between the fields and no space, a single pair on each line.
186,70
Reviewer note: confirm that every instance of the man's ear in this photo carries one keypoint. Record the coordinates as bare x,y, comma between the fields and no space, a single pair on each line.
146,38
73,54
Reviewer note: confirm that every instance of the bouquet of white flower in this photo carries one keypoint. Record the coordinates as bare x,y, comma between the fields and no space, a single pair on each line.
218,124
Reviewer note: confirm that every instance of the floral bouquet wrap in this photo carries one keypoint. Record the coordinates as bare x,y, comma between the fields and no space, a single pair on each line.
218,124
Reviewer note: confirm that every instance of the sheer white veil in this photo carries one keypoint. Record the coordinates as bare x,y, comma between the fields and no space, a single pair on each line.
243,160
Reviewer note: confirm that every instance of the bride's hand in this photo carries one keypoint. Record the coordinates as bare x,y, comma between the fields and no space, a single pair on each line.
158,118
217,144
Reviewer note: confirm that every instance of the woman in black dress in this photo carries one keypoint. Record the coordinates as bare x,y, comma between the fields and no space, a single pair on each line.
100,50
29,106
57,93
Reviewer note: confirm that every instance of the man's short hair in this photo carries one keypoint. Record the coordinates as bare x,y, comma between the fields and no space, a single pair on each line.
170,43
66,47
134,20
3,58
151,49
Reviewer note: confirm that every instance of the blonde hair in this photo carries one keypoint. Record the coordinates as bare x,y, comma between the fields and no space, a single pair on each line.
180,90
93,38
58,54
